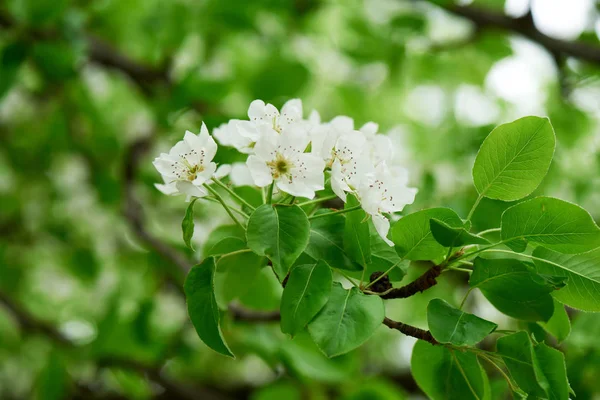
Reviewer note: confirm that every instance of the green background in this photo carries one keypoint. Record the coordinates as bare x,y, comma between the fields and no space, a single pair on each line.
91,255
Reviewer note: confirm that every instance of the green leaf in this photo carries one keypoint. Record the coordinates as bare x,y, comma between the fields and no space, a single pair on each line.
412,234
552,366
517,352
202,306
306,292
327,242
187,225
514,158
235,274
449,236
357,239
513,288
279,232
445,374
12,57
556,224
559,324
222,232
303,359
225,246
348,319
53,381
583,273
451,325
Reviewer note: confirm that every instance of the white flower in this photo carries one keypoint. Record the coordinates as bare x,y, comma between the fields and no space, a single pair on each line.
349,163
262,114
240,175
188,165
281,158
385,191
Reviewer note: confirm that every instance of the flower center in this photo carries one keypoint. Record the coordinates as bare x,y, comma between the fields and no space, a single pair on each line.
280,166
193,172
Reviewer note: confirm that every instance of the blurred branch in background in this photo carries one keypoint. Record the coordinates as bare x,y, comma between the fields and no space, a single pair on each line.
524,26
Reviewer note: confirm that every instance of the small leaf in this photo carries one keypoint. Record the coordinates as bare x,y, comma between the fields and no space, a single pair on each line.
513,288
383,257
279,232
187,225
517,352
225,246
556,224
202,306
235,275
348,319
357,239
445,374
559,324
412,234
306,292
449,236
514,158
583,273
327,242
451,325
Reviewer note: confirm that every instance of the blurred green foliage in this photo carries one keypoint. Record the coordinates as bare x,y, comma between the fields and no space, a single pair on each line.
89,91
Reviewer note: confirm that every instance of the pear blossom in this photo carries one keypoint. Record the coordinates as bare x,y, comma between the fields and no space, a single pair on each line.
385,190
262,114
280,158
240,134
188,165
350,163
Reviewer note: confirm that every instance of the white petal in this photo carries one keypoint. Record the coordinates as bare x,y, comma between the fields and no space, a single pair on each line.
382,226
204,176
343,123
223,171
240,175
169,189
314,118
210,146
256,111
190,189
260,172
267,145
295,188
369,129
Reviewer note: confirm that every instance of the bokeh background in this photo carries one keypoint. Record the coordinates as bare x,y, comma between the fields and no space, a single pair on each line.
91,256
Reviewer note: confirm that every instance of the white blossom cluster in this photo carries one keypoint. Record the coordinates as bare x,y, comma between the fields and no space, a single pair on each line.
296,155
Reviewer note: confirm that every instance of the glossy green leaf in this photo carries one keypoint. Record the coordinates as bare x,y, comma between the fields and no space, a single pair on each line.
348,319
327,242
449,236
552,365
357,239
583,272
517,352
187,225
235,274
202,306
514,158
513,288
451,325
280,233
383,257
306,292
445,374
412,234
559,324
226,245
556,224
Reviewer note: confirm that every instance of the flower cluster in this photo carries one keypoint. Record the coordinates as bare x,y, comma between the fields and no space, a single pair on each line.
295,155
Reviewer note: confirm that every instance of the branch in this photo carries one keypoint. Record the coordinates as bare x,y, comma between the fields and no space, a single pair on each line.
241,314
410,330
523,26
422,283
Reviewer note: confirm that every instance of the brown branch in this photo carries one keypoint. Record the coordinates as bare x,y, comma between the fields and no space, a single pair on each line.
524,26
422,283
239,313
410,330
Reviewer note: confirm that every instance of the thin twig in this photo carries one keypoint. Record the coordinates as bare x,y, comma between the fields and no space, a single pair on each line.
410,330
